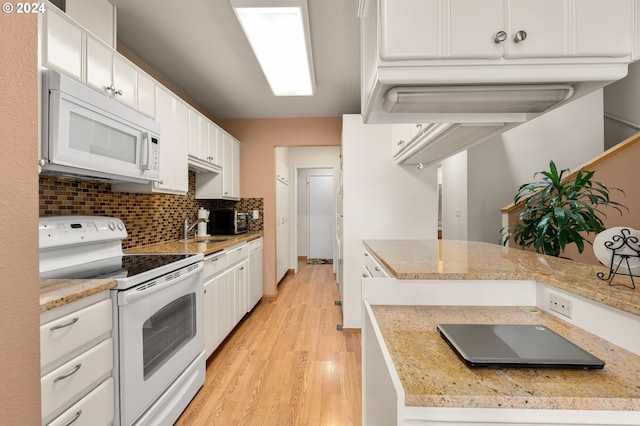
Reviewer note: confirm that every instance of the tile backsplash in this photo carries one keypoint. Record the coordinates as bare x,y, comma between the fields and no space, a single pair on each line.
149,218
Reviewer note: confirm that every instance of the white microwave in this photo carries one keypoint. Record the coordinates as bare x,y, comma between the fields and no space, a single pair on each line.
88,135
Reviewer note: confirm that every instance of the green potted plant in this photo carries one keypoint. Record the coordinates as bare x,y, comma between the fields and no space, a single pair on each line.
558,211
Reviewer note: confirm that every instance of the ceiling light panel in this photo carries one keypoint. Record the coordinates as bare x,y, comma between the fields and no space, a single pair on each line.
278,33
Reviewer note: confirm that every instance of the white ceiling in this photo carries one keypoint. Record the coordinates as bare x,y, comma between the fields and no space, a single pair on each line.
200,47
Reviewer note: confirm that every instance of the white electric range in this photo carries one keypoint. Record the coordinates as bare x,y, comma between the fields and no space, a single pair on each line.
159,361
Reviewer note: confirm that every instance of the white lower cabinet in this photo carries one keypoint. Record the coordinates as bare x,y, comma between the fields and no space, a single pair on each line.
227,295
95,409
255,273
76,359
239,283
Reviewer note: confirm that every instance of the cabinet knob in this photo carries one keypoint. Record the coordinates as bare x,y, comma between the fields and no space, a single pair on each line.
400,142
500,37
520,36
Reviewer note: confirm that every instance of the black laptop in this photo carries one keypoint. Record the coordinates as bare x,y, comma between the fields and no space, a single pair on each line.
515,346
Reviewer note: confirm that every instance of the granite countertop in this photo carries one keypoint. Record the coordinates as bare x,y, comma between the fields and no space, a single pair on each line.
432,375
56,293
470,260
59,292
196,245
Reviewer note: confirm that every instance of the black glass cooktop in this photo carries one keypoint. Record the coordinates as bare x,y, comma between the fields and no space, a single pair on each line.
125,266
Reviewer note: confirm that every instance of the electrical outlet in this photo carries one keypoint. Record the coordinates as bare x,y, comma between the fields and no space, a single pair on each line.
560,305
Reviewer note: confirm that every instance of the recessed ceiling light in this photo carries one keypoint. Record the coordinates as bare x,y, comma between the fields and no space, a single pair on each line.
278,32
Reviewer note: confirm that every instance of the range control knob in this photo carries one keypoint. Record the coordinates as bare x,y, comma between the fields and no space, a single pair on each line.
112,226
120,226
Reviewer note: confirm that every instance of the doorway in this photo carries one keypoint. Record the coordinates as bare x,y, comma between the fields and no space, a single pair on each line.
320,218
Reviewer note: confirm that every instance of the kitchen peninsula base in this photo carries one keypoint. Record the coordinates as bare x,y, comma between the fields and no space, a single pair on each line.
411,376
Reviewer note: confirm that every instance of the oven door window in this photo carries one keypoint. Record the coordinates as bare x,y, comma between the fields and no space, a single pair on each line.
167,331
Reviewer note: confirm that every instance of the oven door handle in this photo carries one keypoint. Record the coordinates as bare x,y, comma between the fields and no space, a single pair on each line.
153,286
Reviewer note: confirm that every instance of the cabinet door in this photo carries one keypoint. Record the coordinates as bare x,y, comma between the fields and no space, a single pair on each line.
62,44
146,95
223,307
210,317
240,292
474,27
410,29
235,182
194,133
230,167
255,278
173,117
99,66
543,21
181,147
598,36
124,82
164,116
215,144
204,139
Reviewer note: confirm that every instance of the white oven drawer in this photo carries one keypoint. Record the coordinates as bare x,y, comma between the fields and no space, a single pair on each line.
71,334
70,381
214,264
95,409
238,254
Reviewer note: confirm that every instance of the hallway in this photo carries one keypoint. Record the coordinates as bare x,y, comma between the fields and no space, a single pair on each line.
285,363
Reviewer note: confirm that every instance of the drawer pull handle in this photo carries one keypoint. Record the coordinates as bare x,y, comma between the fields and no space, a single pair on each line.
70,373
67,324
73,420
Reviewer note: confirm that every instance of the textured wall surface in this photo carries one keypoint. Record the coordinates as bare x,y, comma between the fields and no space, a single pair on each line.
20,313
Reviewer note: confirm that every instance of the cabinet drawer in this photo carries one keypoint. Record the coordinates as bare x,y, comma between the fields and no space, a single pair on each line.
95,409
69,335
70,381
238,254
214,264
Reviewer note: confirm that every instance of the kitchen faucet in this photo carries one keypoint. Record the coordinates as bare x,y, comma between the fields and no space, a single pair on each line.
187,228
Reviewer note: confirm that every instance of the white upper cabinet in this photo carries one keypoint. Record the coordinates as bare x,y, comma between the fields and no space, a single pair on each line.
602,28
146,95
412,51
173,116
225,184
205,144
109,74
70,49
536,29
97,16
493,29
62,44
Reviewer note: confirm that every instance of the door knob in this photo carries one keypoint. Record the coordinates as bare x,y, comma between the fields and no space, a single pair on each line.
520,36
500,37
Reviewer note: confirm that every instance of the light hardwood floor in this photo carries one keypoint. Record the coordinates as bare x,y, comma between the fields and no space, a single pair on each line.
285,363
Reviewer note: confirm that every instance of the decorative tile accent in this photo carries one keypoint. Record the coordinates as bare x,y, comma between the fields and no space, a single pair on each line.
149,218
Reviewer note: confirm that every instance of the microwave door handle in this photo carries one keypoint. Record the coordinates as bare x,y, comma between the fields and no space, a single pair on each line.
146,165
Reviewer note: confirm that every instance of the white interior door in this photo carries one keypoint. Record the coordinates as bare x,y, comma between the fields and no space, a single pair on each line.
320,216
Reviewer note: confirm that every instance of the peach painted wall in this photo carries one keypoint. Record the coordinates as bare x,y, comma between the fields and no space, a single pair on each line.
19,292
615,171
259,138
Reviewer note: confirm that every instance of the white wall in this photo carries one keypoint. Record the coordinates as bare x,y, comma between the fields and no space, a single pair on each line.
382,200
570,136
621,100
